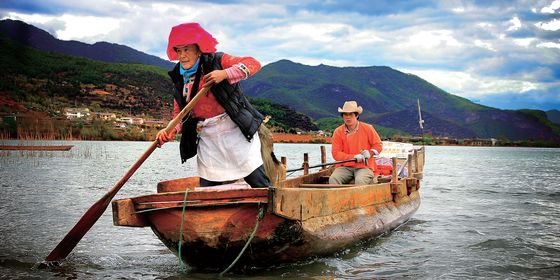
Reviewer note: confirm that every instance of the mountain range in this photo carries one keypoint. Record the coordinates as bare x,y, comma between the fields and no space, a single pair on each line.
32,36
388,96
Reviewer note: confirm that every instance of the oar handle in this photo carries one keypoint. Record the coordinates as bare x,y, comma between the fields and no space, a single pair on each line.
323,164
179,118
91,216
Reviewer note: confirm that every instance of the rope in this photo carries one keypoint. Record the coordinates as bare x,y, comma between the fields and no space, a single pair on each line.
182,267
260,216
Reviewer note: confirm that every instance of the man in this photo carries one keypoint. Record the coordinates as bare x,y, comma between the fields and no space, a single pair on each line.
354,140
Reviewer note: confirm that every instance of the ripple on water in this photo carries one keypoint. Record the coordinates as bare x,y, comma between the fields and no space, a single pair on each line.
500,243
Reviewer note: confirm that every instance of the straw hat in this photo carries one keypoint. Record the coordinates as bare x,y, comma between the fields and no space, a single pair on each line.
187,34
351,107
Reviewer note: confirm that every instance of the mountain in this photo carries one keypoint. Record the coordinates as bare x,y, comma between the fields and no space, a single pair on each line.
33,81
553,116
37,38
48,81
389,98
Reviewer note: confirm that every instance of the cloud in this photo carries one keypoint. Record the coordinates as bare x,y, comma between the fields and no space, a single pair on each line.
553,8
553,25
515,24
473,86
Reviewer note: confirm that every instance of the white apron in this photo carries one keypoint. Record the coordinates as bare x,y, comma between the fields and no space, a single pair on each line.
223,153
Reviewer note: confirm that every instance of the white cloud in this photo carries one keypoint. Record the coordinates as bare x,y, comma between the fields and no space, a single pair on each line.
550,45
524,42
30,18
515,24
459,10
470,85
484,45
555,5
434,38
78,27
71,27
553,25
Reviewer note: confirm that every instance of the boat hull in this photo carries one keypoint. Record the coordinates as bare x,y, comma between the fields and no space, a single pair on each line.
35,148
277,240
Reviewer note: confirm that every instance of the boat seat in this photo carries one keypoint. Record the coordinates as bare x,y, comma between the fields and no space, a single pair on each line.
325,186
351,184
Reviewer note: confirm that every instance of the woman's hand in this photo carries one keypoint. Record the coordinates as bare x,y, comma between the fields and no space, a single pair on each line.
163,137
215,77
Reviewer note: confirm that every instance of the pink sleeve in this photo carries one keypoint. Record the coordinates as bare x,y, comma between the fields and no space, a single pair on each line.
176,111
239,68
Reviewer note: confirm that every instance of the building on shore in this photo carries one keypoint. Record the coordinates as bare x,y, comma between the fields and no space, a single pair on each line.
76,113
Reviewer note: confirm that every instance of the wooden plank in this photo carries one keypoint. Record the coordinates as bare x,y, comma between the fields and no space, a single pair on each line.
311,178
305,203
323,156
325,186
203,195
124,214
178,185
199,203
35,148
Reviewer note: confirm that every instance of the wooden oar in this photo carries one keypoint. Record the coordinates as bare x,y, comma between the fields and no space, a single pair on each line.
74,236
321,165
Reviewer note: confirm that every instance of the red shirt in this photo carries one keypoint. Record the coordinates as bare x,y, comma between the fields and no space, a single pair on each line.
346,146
237,68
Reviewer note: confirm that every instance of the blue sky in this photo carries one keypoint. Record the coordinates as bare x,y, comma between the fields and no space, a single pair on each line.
504,54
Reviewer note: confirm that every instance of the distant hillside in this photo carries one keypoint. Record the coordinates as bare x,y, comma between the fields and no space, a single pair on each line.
553,116
47,82
283,116
37,38
389,99
38,81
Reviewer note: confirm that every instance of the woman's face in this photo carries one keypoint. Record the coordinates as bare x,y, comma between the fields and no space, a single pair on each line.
188,54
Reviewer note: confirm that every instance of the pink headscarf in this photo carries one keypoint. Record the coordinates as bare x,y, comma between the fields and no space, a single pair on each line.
190,33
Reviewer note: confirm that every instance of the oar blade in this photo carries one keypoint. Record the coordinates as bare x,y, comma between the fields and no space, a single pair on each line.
73,237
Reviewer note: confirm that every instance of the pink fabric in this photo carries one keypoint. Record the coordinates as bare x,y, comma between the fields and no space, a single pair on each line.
190,33
207,105
235,74
176,111
227,187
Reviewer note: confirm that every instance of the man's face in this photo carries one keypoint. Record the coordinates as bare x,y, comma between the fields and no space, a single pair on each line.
350,119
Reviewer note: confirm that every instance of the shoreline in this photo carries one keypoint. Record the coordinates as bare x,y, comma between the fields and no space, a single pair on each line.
286,138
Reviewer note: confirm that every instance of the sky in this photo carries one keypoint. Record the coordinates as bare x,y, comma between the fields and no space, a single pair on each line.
503,54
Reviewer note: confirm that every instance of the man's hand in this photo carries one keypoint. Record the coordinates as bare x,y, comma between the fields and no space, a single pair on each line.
366,154
375,153
359,158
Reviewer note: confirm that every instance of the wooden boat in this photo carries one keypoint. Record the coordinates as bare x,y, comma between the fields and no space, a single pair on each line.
36,148
303,216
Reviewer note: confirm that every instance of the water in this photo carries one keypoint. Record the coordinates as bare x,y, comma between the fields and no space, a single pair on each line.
485,213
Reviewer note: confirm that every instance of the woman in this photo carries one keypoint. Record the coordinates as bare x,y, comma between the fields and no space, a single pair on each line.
222,127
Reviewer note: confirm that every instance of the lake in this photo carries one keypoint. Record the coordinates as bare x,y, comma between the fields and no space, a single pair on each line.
486,212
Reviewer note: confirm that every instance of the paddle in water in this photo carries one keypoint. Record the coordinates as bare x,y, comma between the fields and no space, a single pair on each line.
91,216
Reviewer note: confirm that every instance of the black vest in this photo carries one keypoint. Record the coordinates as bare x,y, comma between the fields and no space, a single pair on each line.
247,118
